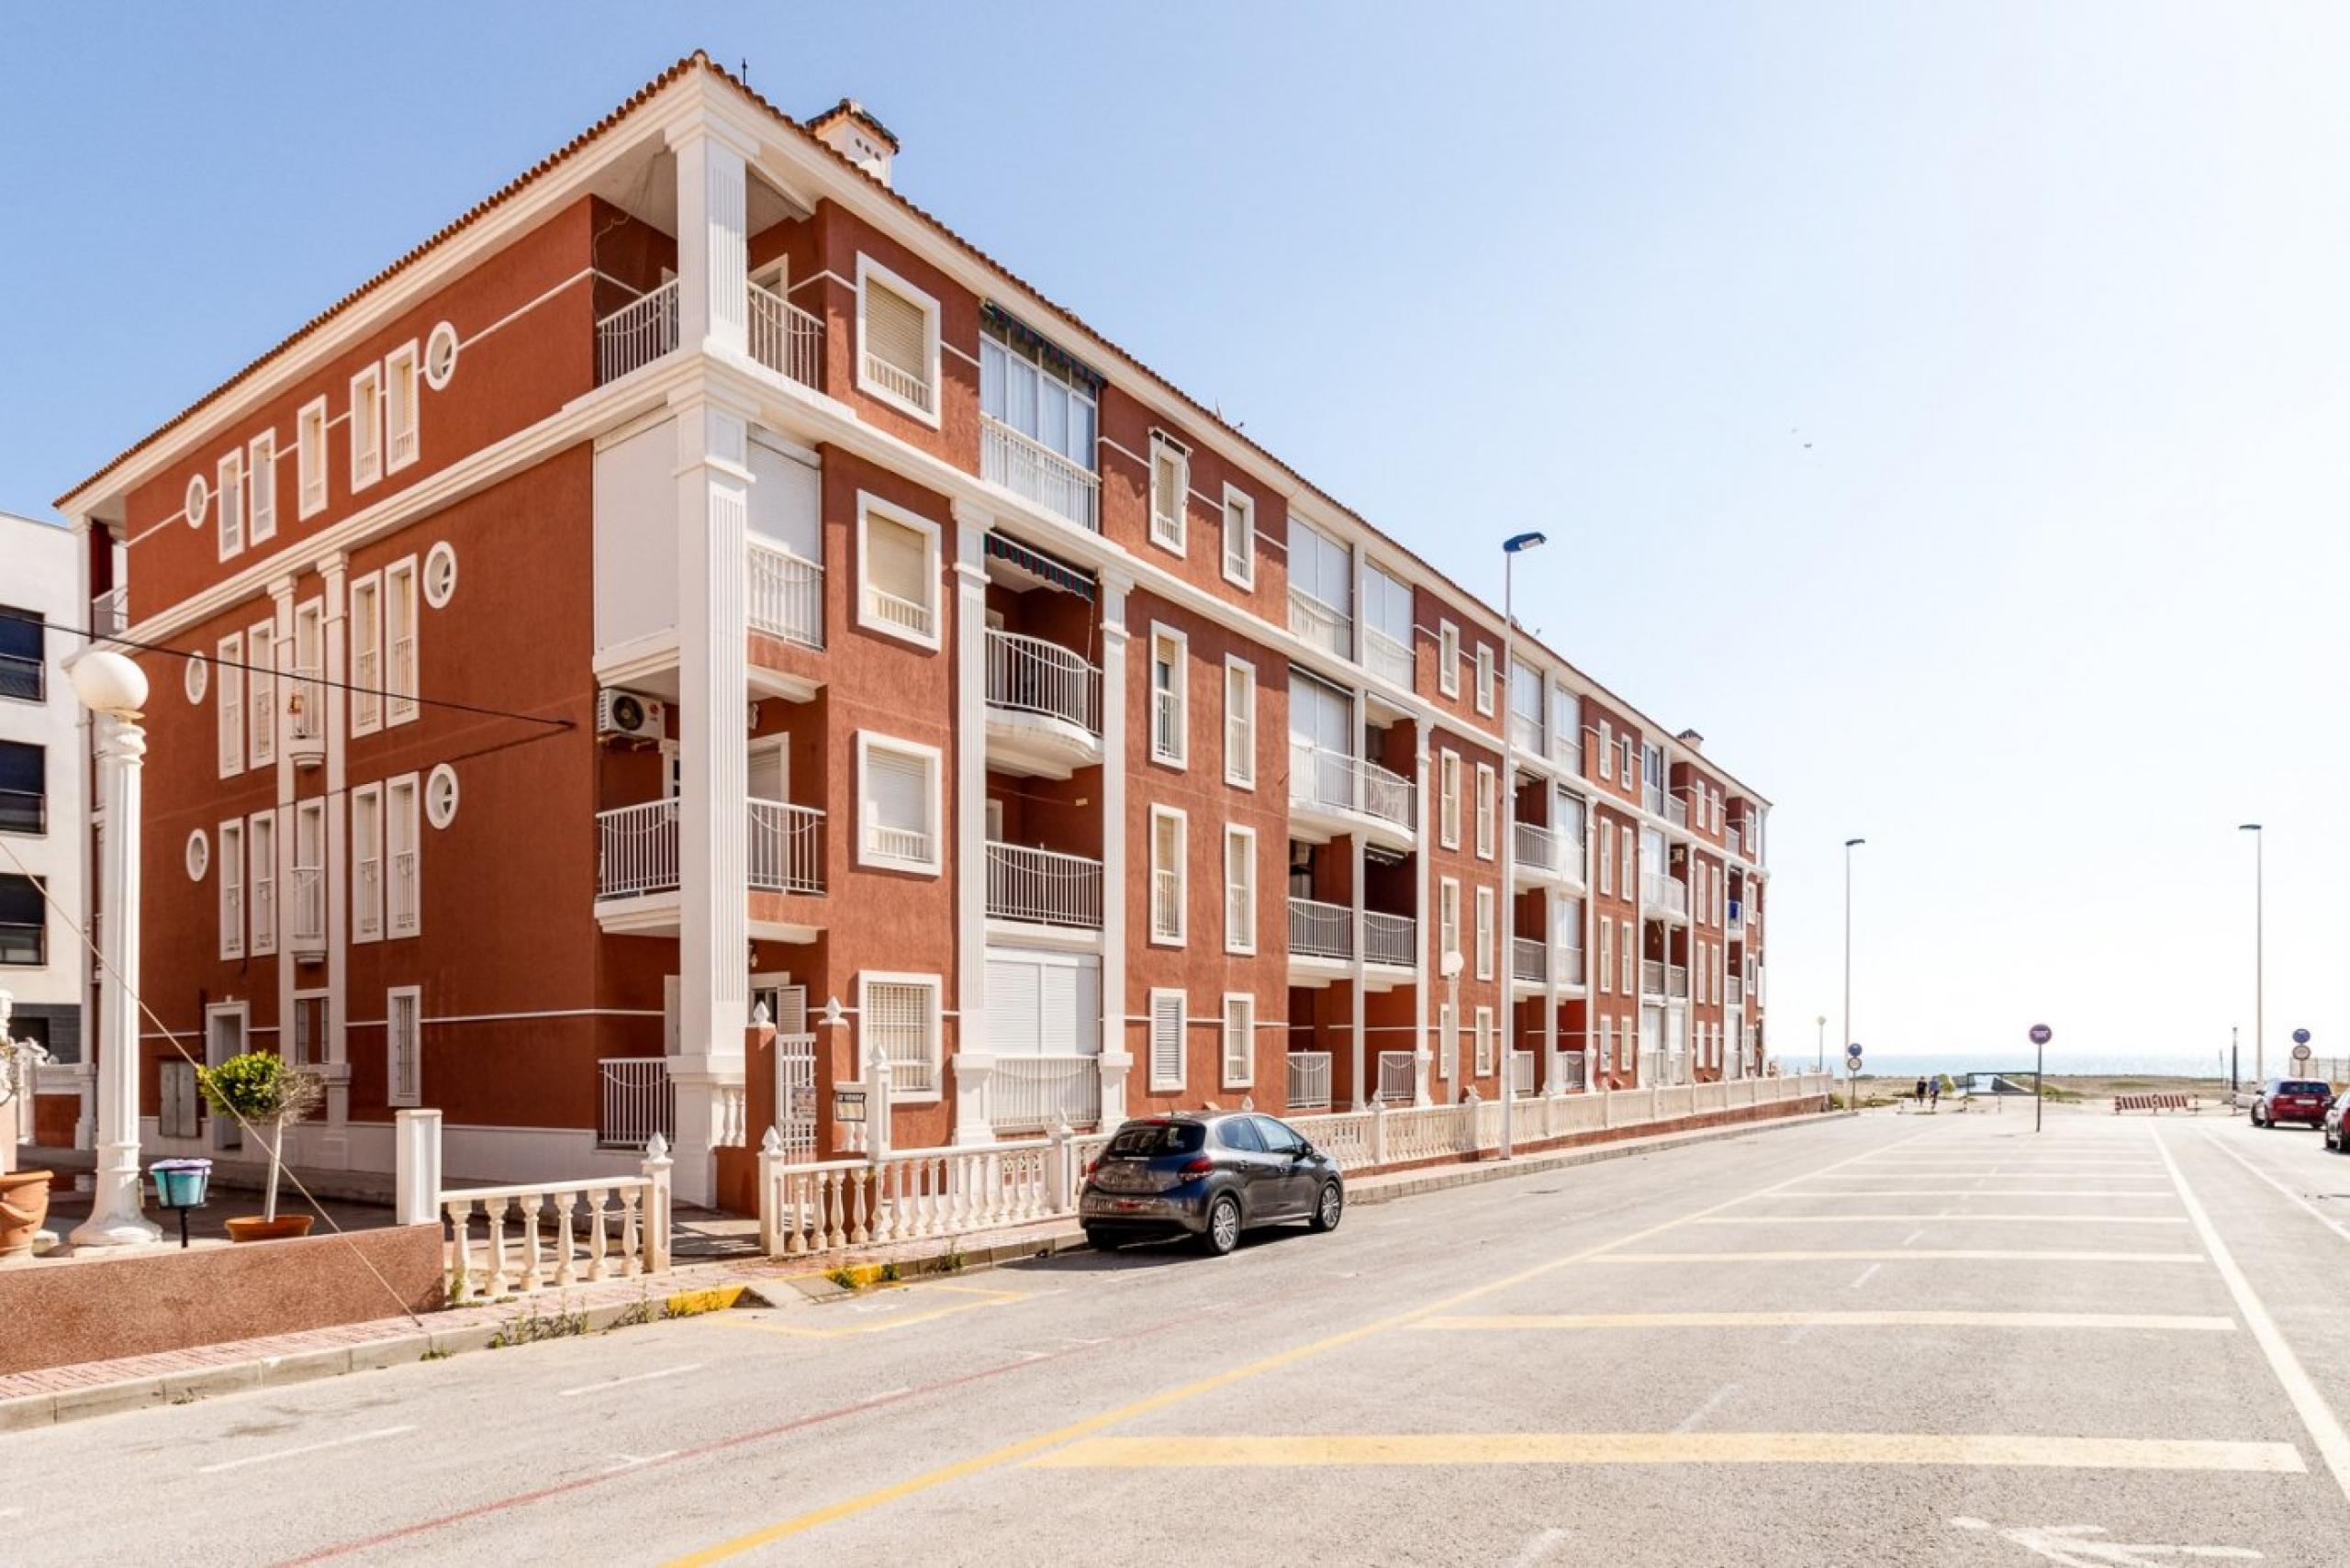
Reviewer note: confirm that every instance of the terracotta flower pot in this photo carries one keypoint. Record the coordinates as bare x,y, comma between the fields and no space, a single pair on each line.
252,1228
24,1204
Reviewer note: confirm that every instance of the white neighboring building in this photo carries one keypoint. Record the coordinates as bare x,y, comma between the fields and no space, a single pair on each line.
44,834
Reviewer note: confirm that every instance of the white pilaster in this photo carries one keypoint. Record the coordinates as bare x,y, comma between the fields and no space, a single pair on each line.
334,1143
712,238
1354,915
116,1219
974,1053
1116,1060
1421,1055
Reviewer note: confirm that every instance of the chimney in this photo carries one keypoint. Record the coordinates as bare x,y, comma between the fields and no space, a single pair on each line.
856,136
1691,739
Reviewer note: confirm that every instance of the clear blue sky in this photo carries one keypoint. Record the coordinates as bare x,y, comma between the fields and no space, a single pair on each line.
1941,406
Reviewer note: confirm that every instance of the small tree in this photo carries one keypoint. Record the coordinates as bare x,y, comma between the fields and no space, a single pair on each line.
264,1094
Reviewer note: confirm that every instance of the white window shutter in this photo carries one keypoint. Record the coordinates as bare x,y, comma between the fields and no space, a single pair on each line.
898,791
1015,1006
897,559
894,330
1166,1039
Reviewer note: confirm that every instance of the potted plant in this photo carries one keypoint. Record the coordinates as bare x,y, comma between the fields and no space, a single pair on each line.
267,1095
24,1194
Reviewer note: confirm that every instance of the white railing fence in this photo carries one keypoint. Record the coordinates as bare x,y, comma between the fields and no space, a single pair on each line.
541,1233
786,339
1530,960
639,1101
1521,1072
785,851
637,333
1334,782
1399,1077
784,595
1043,886
1321,930
1034,1095
1537,847
1319,624
636,850
1032,469
1388,938
1309,1080
308,898
1031,675
1386,657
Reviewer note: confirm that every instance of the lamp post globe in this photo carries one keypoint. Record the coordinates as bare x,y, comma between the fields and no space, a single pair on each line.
108,682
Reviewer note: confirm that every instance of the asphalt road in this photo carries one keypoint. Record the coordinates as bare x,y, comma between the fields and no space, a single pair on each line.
1889,1340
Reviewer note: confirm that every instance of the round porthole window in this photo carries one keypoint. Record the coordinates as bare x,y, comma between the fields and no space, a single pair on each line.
440,796
440,575
199,497
440,356
195,678
200,854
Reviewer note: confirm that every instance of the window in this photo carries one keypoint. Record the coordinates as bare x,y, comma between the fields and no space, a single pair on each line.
310,458
1169,737
1485,679
898,790
1448,917
24,786
262,836
1526,706
1171,485
399,409
1631,888
1448,818
1239,1039
1447,658
1166,1041
1485,1035
1387,626
366,654
24,922
1035,390
1239,722
1627,743
1321,568
24,670
404,893
1566,729
367,863
1448,1042
260,462
399,631
233,503
1239,538
366,427
310,1028
1167,832
900,556
403,1046
1239,890
231,699
1485,810
232,890
1484,934
901,1015
1606,862
1627,954
1607,955
1039,1004
307,890
898,342
261,652
1606,751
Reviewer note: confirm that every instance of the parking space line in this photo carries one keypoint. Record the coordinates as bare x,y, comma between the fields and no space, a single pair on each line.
1889,1255
987,1299
1971,1219
274,1454
1967,1193
2165,1322
2306,1208
1207,1452
624,1381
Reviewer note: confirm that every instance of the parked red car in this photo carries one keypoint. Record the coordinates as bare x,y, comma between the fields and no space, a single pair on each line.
2282,1100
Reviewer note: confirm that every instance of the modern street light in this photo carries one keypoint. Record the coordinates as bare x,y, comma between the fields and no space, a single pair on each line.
2259,958
1850,844
1512,548
1822,1021
114,688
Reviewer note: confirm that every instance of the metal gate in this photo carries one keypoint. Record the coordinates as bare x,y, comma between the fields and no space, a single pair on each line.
795,1096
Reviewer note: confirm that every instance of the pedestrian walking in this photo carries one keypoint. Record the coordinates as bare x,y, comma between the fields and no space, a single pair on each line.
1934,1093
1921,1093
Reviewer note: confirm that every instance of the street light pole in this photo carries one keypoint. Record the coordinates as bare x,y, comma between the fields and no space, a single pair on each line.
2259,958
1850,844
1822,1064
1511,548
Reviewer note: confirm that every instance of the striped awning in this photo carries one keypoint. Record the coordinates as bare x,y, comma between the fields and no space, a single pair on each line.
1054,573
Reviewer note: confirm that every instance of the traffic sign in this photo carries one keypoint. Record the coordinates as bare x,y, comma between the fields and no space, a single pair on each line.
2300,1053
2042,1033
1852,1051
2300,1037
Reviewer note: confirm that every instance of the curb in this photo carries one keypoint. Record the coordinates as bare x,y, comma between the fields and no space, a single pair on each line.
545,1318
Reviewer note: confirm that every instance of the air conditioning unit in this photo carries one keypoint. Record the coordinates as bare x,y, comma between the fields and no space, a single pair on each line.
624,716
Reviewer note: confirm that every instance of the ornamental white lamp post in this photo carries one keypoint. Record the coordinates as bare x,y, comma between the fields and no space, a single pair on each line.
1511,548
114,689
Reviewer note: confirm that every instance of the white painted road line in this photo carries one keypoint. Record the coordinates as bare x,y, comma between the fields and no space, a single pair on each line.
297,1452
1867,1275
1950,1214
2306,1208
1921,1255
1965,1193
2168,1322
2324,1425
1696,1419
624,1381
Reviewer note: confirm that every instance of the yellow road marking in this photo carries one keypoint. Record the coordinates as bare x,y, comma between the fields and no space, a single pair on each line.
1839,1320
1675,1448
1931,1218
1012,1454
1913,1254
990,1298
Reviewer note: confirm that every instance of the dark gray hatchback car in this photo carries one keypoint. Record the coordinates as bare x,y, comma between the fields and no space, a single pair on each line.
1209,1176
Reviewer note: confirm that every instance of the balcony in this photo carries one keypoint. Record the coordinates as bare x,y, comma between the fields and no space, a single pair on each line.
785,852
1652,977
1541,853
110,611
637,849
1566,752
786,339
1734,991
639,1099
1044,706
1399,1077
1389,939
784,595
1530,960
1309,1080
1734,920
1336,794
637,333
1526,734
1035,472
1383,655
1326,628
306,935
1676,811
1044,887
1038,1093
1566,965
1321,931
1666,898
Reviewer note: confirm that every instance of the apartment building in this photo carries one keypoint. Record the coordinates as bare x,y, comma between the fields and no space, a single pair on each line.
44,774
699,645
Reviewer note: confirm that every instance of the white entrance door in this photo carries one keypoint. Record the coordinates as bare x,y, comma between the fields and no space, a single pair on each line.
224,1037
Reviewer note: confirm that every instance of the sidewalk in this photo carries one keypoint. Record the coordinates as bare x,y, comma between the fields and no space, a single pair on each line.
96,1388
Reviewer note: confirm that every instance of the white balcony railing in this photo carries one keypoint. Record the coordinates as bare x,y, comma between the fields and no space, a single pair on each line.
1321,930
1566,751
403,907
232,921
306,895
1530,960
1030,674
903,385
1040,1093
1734,991
1734,917
305,710
110,611
1388,938
1029,468
1309,1080
1327,629
1332,781
639,1099
1526,734
1521,1073
1677,980
1652,977
1043,886
637,333
1567,965
784,595
636,850
785,852
1676,811
1398,1077
1383,655
906,845
400,695
1538,848
906,615
786,339
1660,891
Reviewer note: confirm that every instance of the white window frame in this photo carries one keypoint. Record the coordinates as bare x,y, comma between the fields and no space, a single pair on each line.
231,888
1448,917
1170,533
1484,681
1160,1083
1240,569
261,687
867,504
1607,861
400,706
1448,798
1180,646
291,1042
1488,808
1239,722
366,427
870,271
366,639
1485,1038
1606,958
1606,752
933,763
261,477
310,459
396,1091
1448,1042
934,1028
1485,932
366,912
403,835
229,501
1179,871
228,692
1240,897
402,444
1246,1031
1447,658
260,840
1627,955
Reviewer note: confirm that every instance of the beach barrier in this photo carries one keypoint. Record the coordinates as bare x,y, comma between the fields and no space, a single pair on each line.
2156,1103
